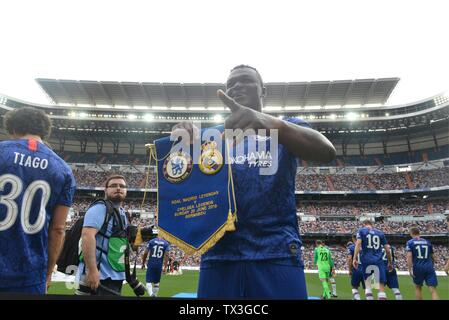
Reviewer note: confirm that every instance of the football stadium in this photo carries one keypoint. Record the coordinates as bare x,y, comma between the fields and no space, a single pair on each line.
391,166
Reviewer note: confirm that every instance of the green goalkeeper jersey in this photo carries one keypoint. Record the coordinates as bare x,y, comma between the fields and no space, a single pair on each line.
323,258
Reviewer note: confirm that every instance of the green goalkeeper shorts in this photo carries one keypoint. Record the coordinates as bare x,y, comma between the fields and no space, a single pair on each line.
324,273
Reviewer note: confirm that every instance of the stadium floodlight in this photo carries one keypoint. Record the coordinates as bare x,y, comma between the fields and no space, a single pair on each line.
218,118
159,107
103,106
216,108
83,105
352,116
141,107
122,107
197,108
336,106
387,114
83,115
348,106
312,107
293,108
62,104
72,114
178,108
272,108
370,105
148,117
333,116
132,116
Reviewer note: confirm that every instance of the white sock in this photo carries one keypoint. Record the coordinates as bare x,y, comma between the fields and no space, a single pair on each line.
334,286
356,294
397,294
150,289
369,294
155,289
381,296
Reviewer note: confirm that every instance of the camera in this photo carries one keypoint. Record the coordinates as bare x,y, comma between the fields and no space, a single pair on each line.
137,286
145,233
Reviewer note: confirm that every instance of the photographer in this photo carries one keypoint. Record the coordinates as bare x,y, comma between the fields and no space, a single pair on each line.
102,270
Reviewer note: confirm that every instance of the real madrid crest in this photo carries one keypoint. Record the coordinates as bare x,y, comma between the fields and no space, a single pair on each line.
211,160
177,167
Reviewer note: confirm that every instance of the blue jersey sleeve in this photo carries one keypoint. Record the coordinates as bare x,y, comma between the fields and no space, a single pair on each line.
68,191
359,234
383,239
408,246
351,251
95,216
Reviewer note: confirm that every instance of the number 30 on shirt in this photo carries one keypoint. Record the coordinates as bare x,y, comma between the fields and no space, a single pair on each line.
12,207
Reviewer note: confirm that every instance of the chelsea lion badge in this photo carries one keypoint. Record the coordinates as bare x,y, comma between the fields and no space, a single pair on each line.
177,167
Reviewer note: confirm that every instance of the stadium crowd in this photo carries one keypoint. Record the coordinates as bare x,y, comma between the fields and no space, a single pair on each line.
304,182
376,181
351,208
334,227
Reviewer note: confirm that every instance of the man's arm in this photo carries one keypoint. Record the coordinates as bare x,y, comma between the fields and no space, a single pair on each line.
389,256
308,144
89,244
349,264
358,246
165,260
331,261
410,263
56,234
446,267
144,257
305,143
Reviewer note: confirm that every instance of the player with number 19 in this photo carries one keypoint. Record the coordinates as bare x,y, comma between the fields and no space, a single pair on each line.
156,249
36,192
369,244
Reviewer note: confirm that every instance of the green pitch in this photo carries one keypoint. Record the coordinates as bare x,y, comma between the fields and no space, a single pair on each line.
187,282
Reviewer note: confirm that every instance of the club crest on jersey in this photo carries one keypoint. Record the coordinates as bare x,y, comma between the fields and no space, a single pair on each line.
177,167
211,160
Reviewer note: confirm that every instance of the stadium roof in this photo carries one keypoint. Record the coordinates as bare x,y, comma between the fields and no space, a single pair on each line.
150,94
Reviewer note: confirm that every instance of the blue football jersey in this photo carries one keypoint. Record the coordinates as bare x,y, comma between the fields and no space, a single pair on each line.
373,241
33,180
266,225
156,249
351,250
421,250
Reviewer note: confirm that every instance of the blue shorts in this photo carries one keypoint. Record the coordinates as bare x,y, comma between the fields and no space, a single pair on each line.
392,279
357,278
264,279
370,268
154,274
34,289
428,275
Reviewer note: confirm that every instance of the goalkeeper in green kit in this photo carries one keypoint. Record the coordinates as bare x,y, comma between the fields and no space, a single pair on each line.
323,259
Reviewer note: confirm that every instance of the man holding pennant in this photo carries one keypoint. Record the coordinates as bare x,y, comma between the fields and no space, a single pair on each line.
262,257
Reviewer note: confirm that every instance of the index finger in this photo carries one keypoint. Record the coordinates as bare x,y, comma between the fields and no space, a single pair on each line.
228,101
